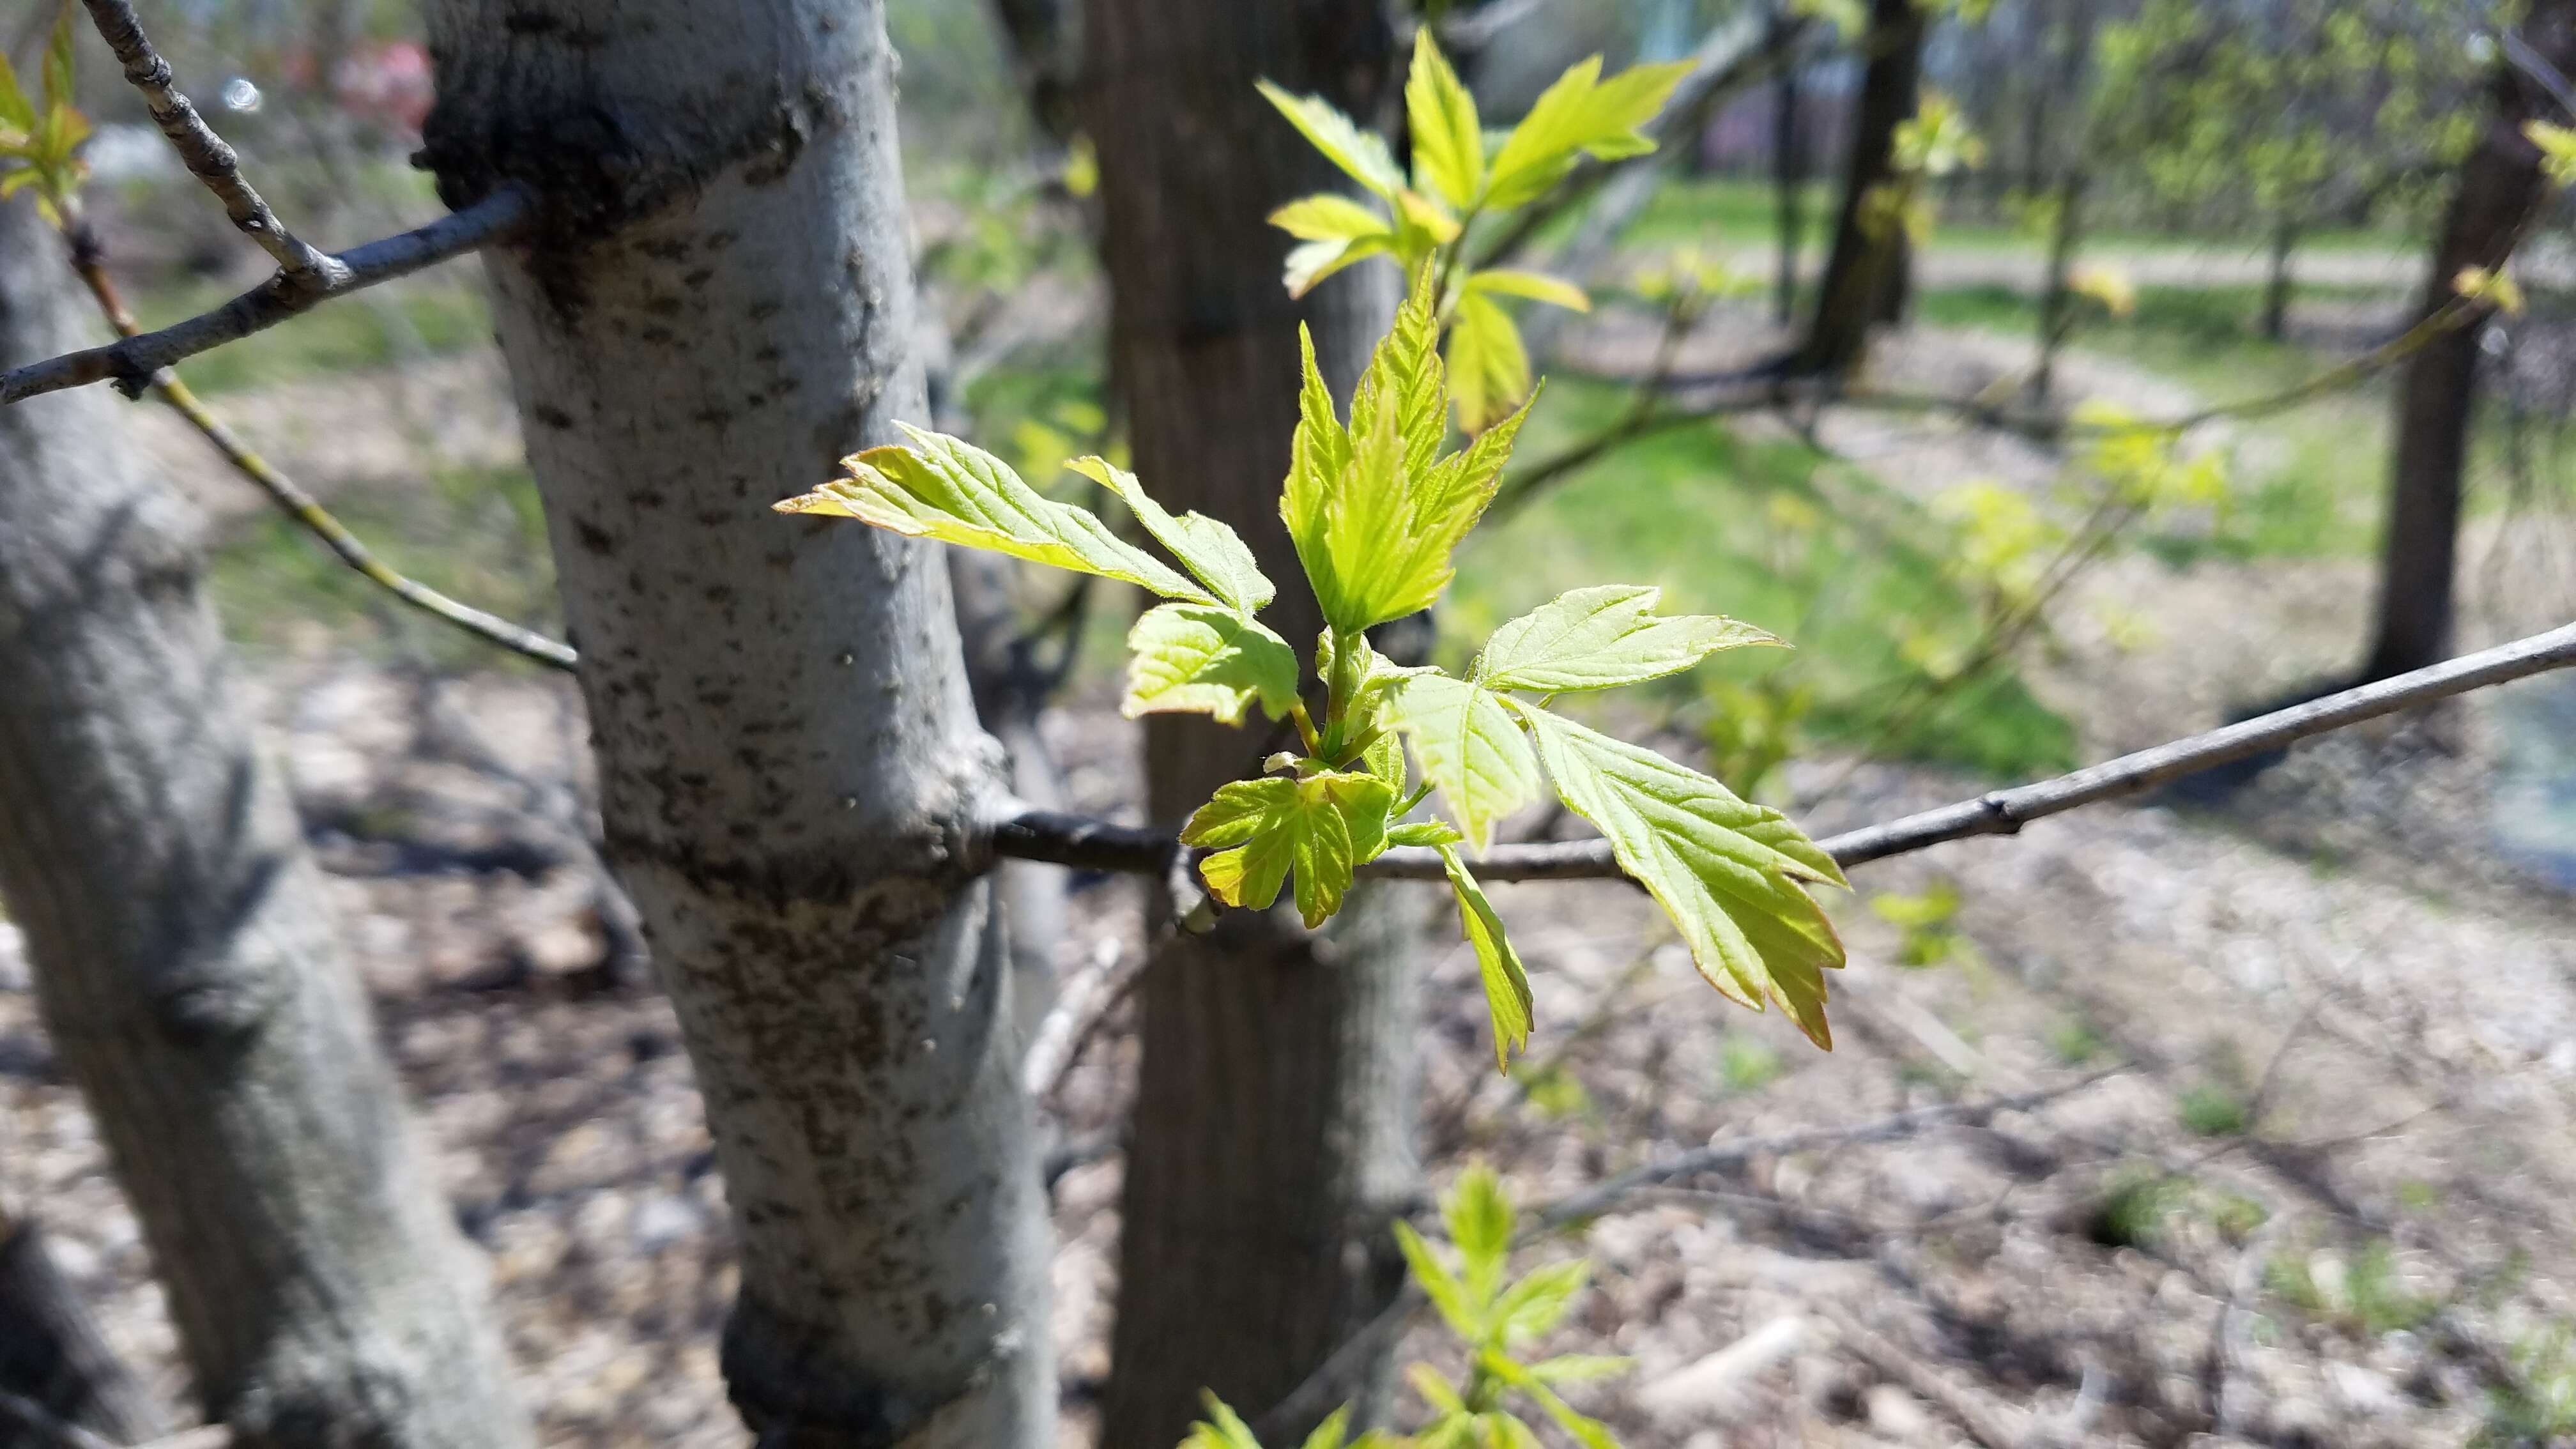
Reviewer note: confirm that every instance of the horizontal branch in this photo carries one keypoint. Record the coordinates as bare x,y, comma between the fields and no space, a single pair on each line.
132,361
1072,840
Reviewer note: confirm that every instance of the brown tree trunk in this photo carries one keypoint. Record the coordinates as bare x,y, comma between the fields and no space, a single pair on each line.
185,957
1269,1144
1864,276
1788,167
716,308
2499,186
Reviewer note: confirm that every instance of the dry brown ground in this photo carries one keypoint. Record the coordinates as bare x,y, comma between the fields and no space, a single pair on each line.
2338,951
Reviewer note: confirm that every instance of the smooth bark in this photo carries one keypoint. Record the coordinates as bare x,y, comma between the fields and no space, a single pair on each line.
715,307
1270,1141
186,961
2498,189
1864,277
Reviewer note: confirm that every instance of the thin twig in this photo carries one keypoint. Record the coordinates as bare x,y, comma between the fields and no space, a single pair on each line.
1098,845
1078,1014
131,361
1607,1194
89,262
206,155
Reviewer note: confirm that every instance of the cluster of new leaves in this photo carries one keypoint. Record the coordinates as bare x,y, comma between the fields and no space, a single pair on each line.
1934,142
40,143
2297,112
1376,508
1462,172
1493,1317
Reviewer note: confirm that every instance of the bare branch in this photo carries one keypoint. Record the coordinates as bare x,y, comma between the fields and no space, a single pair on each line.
1080,1010
1607,1194
89,262
1097,845
132,361
208,157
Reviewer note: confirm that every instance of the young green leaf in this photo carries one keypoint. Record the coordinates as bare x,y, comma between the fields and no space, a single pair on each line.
1507,988
1470,749
1440,1285
1321,827
1539,1300
1602,638
1329,216
1311,262
1362,154
1537,286
1579,115
58,63
1448,140
1194,659
1375,511
1589,1432
1222,1429
1727,872
1578,1368
1216,554
1480,1217
1489,368
1435,1388
17,113
1329,1434
943,488
1432,833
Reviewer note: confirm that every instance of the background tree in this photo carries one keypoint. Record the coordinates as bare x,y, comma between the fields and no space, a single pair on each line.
718,305
186,960
1270,1138
2499,188
1864,280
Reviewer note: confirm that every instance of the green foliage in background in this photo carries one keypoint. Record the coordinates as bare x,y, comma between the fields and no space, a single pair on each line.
1494,1317
40,138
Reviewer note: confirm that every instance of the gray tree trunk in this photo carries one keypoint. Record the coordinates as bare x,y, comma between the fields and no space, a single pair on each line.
1271,1136
186,962
717,308
2499,185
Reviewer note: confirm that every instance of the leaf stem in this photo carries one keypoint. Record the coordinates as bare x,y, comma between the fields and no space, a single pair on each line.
1305,727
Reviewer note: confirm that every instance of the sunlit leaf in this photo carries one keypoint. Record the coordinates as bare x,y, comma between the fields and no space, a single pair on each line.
1360,153
946,489
1479,1216
1375,512
17,113
1329,1434
1319,827
1589,1432
1222,1429
1311,262
1448,140
1209,549
1578,1368
1507,988
1489,367
1579,115
58,60
1329,216
1538,1302
1423,832
1729,873
1602,638
1438,1284
1198,659
1470,749
1536,286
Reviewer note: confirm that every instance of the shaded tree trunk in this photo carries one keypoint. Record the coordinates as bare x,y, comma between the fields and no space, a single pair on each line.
2057,297
718,306
2499,186
2277,281
185,957
1270,1141
1864,275
53,1356
1788,168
